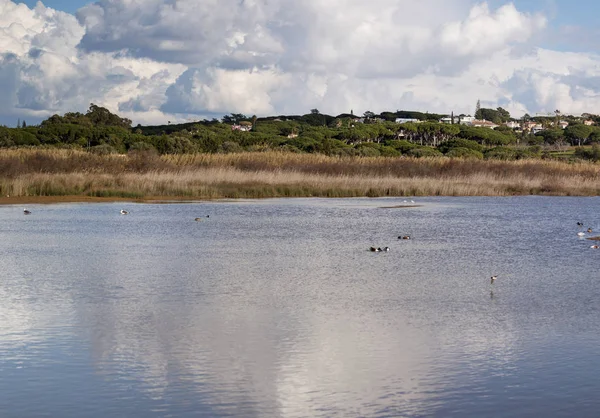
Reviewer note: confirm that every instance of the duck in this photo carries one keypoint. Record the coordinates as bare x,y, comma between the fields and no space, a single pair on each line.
404,237
581,234
375,249
579,223
595,247
493,279
386,249
124,212
26,212
590,230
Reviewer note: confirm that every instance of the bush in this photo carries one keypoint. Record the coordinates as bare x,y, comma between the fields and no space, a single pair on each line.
401,145
500,153
103,149
141,146
460,143
592,153
424,152
461,152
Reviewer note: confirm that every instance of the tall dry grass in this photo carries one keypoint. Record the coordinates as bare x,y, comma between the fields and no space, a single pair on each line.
257,175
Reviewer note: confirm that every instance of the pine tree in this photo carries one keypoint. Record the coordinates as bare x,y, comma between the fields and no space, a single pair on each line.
478,110
24,124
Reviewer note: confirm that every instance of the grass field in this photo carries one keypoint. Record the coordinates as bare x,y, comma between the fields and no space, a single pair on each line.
77,175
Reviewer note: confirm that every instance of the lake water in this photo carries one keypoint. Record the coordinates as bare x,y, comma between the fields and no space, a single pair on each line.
277,308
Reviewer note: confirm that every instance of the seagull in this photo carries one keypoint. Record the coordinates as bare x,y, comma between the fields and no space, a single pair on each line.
124,212
581,234
26,212
493,279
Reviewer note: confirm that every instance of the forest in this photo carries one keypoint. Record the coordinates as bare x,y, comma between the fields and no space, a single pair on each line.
101,132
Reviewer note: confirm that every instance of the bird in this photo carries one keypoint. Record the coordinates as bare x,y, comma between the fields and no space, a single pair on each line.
404,237
590,230
124,212
595,247
581,234
385,249
493,279
579,223
375,250
412,201
26,212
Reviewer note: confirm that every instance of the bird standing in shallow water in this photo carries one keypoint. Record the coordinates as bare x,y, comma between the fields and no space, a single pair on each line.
493,279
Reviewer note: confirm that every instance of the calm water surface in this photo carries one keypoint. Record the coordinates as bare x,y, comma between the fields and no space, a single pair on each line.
276,308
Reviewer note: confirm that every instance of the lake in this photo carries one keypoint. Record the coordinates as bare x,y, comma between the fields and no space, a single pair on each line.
277,308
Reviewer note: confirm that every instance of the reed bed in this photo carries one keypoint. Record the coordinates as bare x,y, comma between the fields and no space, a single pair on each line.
26,173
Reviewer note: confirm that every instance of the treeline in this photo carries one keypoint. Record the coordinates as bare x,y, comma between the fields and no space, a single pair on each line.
101,132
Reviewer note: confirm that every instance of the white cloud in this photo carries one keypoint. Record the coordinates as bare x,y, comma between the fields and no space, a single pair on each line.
153,60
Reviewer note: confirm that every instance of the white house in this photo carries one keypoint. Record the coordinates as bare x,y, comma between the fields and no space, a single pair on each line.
407,120
483,124
513,124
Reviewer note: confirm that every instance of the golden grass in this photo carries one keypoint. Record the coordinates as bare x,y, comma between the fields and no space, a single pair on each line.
31,173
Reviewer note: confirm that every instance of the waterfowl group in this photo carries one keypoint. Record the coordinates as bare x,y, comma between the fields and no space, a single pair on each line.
379,249
582,234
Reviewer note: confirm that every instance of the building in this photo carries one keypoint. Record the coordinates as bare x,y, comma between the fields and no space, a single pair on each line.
242,128
513,124
483,124
407,120
588,122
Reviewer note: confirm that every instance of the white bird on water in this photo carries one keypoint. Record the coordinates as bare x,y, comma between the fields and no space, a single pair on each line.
493,279
581,234
124,212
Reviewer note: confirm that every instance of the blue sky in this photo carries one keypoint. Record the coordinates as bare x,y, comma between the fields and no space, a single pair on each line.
152,62
561,14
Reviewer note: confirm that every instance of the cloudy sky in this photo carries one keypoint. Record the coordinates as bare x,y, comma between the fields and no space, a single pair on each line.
180,60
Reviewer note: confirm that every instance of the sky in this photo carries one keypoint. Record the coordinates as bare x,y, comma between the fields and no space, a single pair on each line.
183,60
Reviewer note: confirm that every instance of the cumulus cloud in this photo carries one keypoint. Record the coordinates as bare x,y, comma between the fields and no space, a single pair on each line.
155,60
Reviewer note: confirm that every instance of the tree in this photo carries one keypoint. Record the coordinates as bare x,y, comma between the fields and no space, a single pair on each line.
234,118
578,133
369,115
504,114
478,110
24,124
314,111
